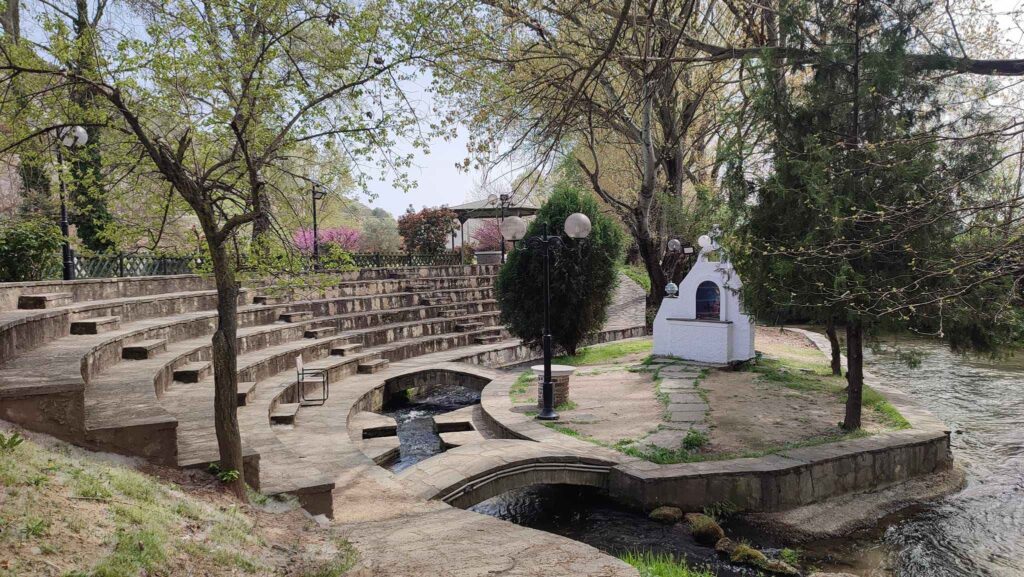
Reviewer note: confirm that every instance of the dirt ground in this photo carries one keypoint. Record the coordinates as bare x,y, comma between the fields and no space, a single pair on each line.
752,413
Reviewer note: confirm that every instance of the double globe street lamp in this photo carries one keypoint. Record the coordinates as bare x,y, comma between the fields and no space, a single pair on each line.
577,226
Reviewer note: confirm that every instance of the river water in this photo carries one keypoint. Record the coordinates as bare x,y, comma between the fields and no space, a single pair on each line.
978,532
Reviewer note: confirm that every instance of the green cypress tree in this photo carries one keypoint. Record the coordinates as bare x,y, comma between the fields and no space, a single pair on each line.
858,211
583,272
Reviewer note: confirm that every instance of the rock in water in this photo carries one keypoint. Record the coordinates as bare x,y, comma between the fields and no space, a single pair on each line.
778,567
667,514
704,529
747,555
725,546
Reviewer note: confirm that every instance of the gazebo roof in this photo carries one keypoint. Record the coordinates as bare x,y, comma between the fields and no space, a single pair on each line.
491,209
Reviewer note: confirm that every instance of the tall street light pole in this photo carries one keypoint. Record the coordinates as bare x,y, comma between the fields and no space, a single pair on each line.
577,226
318,194
71,137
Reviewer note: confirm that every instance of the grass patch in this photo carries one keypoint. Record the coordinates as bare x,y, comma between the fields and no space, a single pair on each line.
801,376
517,392
650,564
136,524
567,406
637,274
566,430
607,353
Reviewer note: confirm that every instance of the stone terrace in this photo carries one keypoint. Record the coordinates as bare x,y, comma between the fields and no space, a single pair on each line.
132,373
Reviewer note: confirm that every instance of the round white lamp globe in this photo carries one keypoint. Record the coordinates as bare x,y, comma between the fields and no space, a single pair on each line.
674,245
73,136
513,228
577,225
704,241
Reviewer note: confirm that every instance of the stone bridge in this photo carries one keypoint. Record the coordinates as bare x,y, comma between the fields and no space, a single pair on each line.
467,475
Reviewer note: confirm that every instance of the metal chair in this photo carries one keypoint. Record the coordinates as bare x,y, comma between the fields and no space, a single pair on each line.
314,377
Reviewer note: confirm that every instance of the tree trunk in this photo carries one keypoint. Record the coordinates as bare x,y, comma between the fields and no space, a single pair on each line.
833,339
225,372
854,374
261,224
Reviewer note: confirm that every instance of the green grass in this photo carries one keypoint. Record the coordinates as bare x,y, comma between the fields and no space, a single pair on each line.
650,564
788,374
55,495
637,274
607,353
517,391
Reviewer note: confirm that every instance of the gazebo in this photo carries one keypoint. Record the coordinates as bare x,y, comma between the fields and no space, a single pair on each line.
492,207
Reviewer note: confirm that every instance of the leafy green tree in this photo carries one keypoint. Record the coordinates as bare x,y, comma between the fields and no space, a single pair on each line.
858,221
29,250
583,272
217,96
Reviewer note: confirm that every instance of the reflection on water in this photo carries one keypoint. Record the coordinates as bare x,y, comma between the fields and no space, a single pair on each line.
417,432
979,531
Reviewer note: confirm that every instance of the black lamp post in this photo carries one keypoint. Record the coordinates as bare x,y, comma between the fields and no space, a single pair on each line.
577,226
504,201
318,194
71,137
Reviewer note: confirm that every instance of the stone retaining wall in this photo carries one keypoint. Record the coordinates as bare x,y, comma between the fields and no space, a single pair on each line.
775,482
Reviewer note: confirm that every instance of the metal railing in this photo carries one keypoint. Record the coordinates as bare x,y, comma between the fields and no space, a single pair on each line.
395,259
129,265
138,265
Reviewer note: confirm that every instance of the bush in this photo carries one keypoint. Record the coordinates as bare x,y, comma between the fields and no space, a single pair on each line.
29,250
427,231
583,273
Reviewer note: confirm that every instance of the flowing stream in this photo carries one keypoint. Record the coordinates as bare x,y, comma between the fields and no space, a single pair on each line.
978,532
417,431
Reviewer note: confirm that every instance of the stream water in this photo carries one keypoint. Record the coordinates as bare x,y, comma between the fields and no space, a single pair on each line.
417,431
978,532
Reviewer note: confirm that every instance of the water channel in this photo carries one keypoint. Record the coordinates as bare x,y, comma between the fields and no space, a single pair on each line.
978,532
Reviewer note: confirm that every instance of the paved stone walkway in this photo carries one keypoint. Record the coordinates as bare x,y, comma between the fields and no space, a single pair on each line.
686,409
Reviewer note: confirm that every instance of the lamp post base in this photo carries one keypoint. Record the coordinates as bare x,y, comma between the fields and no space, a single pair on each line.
547,415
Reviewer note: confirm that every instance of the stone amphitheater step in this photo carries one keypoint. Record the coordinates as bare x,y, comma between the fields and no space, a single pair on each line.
296,316
320,332
284,414
487,339
141,350
245,390
193,372
468,326
372,366
95,326
44,300
435,300
271,300
347,349
196,441
451,313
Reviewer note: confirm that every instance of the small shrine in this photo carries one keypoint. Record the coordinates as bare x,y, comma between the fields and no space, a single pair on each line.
701,319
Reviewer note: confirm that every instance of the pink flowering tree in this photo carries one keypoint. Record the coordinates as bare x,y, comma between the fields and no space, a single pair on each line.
487,236
345,238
